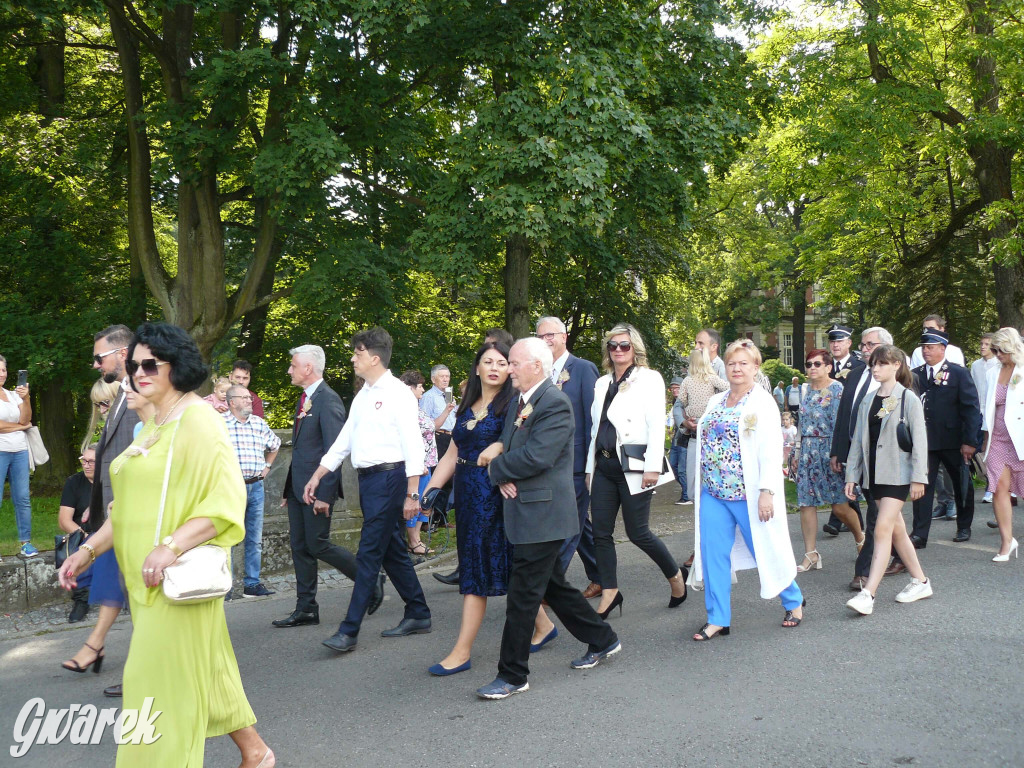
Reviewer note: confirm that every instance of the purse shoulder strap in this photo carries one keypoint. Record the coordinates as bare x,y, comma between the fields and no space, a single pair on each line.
903,400
163,492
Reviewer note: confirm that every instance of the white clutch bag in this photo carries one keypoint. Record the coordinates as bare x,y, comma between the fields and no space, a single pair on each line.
202,573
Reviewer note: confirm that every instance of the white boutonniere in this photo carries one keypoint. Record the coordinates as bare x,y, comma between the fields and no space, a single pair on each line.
562,378
1015,381
524,414
750,423
843,373
888,406
306,408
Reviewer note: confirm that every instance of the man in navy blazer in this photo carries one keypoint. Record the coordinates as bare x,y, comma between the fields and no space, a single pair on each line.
576,378
952,415
534,474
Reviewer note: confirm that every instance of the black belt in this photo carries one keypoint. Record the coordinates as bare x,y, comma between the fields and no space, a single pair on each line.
380,468
442,432
251,480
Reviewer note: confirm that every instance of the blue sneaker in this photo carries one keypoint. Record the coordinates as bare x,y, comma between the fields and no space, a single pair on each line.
593,658
27,550
499,689
257,591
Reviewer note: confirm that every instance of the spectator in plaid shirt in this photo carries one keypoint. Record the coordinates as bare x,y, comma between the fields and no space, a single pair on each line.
256,447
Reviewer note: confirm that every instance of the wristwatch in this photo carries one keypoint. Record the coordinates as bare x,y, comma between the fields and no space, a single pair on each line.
168,541
413,496
769,491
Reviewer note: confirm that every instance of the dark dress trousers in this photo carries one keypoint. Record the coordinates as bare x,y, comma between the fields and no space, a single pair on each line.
538,458
853,366
312,437
952,416
579,388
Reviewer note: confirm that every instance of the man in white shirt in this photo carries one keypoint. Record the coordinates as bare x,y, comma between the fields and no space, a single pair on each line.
382,436
953,353
711,340
979,373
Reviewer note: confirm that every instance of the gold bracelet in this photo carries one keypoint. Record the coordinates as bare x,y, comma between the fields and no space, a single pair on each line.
89,548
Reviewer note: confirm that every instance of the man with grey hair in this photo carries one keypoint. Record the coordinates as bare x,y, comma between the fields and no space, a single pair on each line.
319,417
859,384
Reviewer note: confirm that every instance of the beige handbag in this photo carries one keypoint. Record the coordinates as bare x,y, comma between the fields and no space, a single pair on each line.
201,573
37,453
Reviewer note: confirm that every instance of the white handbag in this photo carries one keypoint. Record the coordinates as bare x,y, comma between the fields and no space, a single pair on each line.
201,573
37,453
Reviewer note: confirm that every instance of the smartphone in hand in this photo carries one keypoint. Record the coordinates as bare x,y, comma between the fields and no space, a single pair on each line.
22,378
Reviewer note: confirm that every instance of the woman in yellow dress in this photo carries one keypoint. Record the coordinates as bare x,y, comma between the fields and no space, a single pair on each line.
180,654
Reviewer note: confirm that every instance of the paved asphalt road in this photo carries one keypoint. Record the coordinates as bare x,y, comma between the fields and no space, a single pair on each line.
935,683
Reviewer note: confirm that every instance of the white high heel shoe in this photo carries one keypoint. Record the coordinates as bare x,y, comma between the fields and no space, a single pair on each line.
1006,557
811,564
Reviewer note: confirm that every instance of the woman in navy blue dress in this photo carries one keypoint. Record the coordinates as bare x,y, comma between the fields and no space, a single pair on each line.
485,555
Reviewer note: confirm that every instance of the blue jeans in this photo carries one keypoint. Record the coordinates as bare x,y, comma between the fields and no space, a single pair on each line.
718,521
14,467
677,460
253,534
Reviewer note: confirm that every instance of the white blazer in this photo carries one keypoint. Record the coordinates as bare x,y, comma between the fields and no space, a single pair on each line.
761,456
637,413
1013,414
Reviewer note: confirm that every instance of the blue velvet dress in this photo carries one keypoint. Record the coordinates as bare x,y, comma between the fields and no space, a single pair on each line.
485,555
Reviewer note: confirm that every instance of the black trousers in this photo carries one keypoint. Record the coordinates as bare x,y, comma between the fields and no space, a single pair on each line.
863,565
310,537
608,491
536,575
963,492
835,522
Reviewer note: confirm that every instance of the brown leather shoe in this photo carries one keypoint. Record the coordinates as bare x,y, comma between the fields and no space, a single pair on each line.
593,590
894,568
858,583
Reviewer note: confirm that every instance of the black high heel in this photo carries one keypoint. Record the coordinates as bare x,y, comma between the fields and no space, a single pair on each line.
96,664
616,601
703,635
675,602
794,622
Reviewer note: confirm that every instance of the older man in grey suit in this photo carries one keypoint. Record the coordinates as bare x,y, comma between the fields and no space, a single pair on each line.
534,472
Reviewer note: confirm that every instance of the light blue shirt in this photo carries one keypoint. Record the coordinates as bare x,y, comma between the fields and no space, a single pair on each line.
432,403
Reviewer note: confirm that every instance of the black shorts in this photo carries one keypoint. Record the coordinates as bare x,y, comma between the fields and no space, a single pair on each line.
889,492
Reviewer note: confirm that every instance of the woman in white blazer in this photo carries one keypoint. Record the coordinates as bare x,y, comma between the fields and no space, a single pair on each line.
887,473
739,477
628,414
1003,423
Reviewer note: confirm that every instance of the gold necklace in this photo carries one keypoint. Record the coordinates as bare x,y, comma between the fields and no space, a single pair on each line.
164,421
478,415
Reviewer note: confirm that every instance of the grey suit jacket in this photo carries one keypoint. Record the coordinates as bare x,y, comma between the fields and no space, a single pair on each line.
118,433
538,458
312,436
892,465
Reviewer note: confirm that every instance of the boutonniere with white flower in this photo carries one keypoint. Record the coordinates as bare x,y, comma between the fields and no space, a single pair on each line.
524,414
562,378
1015,381
306,408
888,406
750,423
843,373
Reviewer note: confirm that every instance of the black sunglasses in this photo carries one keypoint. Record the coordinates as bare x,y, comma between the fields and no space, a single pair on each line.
814,364
150,366
996,350
625,346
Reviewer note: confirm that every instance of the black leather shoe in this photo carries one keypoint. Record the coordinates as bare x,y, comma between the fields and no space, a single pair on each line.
378,596
78,611
830,529
917,541
451,579
964,534
298,618
113,691
340,642
408,627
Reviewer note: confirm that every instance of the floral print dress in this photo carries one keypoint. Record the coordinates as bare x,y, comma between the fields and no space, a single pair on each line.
816,484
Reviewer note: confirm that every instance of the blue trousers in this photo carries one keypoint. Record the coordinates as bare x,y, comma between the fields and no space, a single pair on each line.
382,542
14,467
718,521
583,542
677,460
253,533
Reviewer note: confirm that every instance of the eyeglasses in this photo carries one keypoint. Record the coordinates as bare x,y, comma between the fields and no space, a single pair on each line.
103,404
244,398
548,336
870,344
86,462
149,366
815,364
997,350
625,346
98,359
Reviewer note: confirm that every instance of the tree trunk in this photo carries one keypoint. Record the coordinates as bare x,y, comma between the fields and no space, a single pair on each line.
56,423
799,325
517,285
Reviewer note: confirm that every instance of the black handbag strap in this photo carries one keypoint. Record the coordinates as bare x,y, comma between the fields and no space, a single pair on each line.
903,400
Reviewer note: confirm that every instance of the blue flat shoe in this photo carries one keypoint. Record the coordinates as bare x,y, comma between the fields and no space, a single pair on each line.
534,647
441,671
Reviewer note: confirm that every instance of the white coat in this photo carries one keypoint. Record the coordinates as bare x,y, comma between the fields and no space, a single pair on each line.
761,456
1013,413
637,413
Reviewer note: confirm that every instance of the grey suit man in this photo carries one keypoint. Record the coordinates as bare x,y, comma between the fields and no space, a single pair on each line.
319,417
535,474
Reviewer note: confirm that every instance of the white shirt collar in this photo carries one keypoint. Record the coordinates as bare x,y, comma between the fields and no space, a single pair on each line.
842,362
312,388
558,365
383,381
529,393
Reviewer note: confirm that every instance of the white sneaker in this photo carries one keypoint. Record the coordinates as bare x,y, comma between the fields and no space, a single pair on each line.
863,603
915,590
987,498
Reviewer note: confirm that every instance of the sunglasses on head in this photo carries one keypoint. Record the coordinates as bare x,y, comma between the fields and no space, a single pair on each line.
814,364
149,366
625,346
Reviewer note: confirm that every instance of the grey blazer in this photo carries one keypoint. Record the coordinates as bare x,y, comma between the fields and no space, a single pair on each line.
892,465
118,433
538,458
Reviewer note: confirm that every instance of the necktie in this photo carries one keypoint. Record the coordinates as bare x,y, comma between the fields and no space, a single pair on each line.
931,375
519,411
302,400
835,369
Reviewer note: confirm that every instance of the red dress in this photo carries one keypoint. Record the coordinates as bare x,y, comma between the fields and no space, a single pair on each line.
1001,452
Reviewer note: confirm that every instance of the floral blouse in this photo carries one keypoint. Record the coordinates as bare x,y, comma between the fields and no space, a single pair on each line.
429,443
819,409
721,469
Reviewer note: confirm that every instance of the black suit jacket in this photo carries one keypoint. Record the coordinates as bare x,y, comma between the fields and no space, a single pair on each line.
118,433
846,418
312,436
538,458
952,413
853,364
580,390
